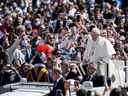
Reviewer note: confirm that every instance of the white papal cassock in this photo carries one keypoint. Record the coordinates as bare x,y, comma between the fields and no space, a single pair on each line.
100,50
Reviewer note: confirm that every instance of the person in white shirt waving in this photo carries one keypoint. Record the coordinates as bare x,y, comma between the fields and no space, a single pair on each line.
99,50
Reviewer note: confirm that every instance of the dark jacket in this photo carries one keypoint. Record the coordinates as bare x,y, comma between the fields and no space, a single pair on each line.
72,75
4,57
58,88
9,77
98,80
58,25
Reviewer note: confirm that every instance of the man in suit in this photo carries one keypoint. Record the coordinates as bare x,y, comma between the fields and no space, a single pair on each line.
91,75
98,80
58,88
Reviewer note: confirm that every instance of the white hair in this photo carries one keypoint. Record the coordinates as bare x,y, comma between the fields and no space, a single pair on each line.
96,30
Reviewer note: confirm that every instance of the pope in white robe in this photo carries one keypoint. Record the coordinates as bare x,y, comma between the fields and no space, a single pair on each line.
99,51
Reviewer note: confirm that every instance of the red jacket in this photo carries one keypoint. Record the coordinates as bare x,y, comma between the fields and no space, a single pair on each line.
45,48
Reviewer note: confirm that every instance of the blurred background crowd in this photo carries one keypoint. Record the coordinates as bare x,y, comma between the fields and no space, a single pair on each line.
36,35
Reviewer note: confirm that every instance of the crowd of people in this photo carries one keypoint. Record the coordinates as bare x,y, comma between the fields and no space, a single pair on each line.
38,37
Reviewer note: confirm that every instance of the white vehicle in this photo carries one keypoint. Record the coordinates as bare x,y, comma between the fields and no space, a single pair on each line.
26,89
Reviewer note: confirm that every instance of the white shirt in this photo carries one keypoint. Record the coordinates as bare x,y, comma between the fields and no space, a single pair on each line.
46,1
63,43
99,49
18,55
1,35
72,12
